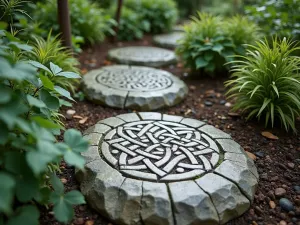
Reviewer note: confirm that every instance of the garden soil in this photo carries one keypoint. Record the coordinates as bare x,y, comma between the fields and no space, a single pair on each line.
278,161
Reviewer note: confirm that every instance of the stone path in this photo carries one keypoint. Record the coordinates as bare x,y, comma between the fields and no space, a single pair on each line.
154,169
142,56
168,40
133,87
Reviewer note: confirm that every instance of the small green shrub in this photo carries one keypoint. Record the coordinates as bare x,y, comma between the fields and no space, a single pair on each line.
29,123
210,41
266,83
280,17
87,19
132,26
160,14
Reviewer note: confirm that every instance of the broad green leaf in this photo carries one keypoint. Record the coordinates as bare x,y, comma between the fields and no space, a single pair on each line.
24,47
35,102
69,75
74,198
39,66
75,159
55,69
45,123
200,63
28,215
75,141
19,71
5,94
63,92
47,82
208,56
6,192
217,48
42,196
3,133
63,211
50,101
56,184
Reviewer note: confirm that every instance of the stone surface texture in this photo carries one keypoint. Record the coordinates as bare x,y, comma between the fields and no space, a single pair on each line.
133,87
142,56
150,168
168,40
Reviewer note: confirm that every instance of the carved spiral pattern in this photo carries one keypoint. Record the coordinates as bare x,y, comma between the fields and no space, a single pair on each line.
160,150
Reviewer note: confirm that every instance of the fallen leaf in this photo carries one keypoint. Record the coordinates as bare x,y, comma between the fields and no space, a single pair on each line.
82,121
84,71
188,112
251,155
179,65
269,135
89,222
233,114
106,62
272,205
77,117
63,180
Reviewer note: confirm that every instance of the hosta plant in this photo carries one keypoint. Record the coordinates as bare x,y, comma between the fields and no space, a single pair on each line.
266,82
30,154
211,41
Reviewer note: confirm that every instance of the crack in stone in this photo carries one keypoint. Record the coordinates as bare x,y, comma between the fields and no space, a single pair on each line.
172,205
125,101
141,205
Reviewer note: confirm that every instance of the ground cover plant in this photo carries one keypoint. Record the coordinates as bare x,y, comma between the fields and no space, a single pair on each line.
210,41
160,14
280,17
88,20
266,83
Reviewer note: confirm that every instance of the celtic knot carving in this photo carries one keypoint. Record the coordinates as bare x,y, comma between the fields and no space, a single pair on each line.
160,150
134,79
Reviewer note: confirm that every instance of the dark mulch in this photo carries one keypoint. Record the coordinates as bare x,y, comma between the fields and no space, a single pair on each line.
278,161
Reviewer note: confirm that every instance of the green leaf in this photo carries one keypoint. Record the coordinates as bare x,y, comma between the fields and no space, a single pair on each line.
35,102
6,192
74,198
200,63
45,123
265,104
47,82
75,141
39,66
74,159
217,48
50,101
3,133
208,56
5,94
63,92
71,75
55,69
57,184
63,211
28,215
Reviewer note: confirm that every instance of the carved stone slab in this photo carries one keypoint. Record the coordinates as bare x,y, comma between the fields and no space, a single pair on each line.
134,87
151,169
142,56
168,40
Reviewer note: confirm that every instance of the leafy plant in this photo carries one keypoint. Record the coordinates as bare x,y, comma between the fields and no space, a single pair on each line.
132,25
160,14
277,17
266,83
210,41
30,154
87,19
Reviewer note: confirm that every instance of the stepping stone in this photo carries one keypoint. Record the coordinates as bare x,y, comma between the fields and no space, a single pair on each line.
178,28
143,56
133,87
168,40
151,168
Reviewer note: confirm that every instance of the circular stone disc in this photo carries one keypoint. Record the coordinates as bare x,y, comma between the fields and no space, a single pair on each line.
133,87
152,168
168,40
142,56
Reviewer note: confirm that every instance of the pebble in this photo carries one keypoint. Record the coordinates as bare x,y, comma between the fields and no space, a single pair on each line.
297,188
208,103
260,154
272,205
64,180
286,204
282,222
79,221
279,192
251,155
89,222
222,102
192,88
271,195
291,165
70,113
228,104
258,210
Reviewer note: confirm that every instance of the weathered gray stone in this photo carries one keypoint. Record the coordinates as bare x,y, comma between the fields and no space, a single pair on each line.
142,56
178,28
134,87
168,40
227,199
128,209
192,205
241,175
214,132
97,128
156,204
149,168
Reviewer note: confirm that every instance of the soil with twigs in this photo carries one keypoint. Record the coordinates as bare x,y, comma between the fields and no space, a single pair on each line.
278,161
